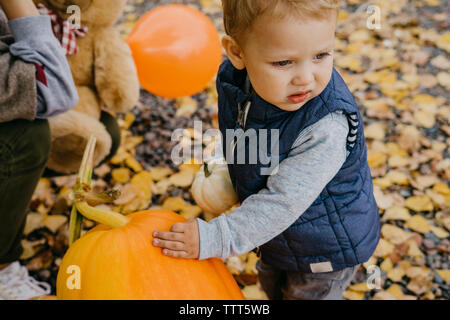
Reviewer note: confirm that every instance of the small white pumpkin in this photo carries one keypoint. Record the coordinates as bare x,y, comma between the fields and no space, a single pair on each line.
212,188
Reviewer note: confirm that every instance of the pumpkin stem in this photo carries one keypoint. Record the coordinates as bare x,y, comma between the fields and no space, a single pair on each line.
205,169
107,217
84,198
83,180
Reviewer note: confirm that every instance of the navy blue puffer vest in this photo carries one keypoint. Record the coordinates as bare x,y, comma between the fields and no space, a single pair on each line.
341,228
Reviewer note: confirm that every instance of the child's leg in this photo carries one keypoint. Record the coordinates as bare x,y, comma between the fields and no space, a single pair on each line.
271,280
113,129
24,151
318,286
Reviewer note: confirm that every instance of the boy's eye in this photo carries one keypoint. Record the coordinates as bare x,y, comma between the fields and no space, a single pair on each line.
320,56
282,63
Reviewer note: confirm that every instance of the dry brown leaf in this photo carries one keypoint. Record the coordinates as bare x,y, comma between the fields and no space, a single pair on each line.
182,179
30,248
41,261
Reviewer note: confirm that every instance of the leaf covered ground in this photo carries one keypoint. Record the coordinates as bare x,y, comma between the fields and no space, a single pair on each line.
399,75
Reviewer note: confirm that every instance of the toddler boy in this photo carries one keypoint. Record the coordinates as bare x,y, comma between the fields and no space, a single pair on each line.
314,217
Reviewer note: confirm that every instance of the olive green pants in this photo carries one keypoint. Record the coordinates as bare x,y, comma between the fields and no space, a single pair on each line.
24,151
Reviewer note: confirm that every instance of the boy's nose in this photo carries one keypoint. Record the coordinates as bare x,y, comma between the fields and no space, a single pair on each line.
303,80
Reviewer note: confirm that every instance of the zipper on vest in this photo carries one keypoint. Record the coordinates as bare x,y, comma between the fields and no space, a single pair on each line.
242,120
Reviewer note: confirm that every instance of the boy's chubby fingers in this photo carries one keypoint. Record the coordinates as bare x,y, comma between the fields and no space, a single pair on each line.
167,235
172,245
175,254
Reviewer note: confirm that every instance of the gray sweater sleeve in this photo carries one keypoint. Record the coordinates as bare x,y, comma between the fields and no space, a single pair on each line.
35,43
315,158
17,81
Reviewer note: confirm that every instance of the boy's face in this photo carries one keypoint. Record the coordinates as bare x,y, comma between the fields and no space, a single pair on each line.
289,61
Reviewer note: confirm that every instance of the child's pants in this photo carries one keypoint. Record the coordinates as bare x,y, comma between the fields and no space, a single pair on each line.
24,151
287,285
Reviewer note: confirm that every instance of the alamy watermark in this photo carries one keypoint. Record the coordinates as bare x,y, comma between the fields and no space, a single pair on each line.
373,22
374,280
237,151
75,16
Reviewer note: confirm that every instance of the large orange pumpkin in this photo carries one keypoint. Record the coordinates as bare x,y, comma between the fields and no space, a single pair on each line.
121,263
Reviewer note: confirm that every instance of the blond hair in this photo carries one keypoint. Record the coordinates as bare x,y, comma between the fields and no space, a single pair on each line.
239,15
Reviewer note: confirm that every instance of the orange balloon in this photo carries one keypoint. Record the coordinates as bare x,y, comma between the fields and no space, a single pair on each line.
176,50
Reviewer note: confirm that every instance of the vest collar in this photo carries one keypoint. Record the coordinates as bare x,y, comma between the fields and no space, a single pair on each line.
237,88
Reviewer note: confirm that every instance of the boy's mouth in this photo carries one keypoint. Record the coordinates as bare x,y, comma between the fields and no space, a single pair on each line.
299,96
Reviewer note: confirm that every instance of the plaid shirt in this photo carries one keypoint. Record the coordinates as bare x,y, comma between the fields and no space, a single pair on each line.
64,30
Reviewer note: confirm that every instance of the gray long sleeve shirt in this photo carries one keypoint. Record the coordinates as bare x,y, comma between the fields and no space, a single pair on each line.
35,78
315,158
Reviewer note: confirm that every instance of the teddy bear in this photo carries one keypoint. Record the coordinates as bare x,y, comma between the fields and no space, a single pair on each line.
104,73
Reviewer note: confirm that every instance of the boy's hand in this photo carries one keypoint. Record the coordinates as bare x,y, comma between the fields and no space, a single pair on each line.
183,240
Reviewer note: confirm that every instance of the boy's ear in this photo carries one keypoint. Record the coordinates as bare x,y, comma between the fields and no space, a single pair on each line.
234,52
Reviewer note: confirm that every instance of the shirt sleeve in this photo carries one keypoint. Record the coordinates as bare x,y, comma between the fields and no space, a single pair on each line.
315,158
36,44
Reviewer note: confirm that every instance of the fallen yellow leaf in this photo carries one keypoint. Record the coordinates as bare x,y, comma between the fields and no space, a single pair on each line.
419,203
439,232
253,292
396,213
386,265
396,291
353,295
383,249
444,274
183,178
174,204
394,234
159,173
396,274
121,175
418,223
133,164
190,211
